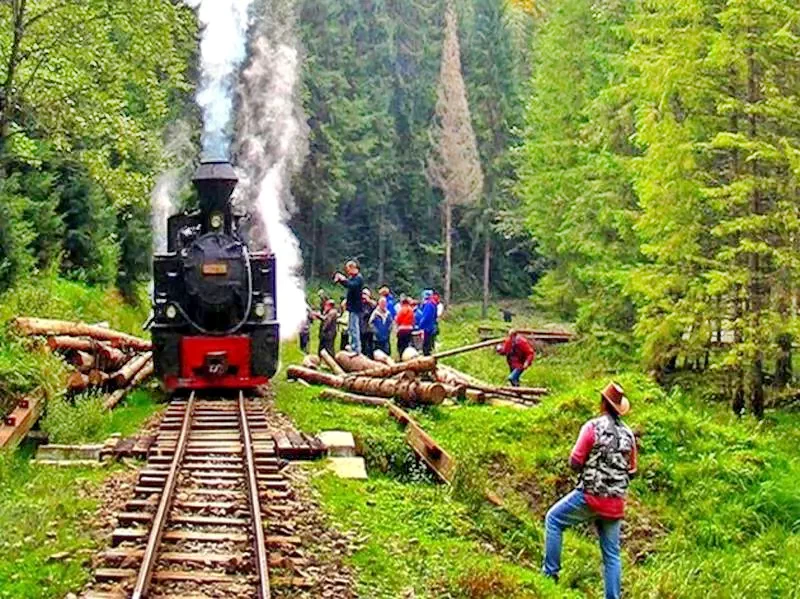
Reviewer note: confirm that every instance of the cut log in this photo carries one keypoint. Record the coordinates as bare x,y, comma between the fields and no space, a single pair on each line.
47,327
141,376
408,391
449,375
333,394
77,382
437,459
355,362
98,378
64,343
310,361
111,357
332,364
383,358
83,361
422,364
124,375
468,348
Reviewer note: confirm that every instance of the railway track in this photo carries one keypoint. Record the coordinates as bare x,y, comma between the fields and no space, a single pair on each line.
207,513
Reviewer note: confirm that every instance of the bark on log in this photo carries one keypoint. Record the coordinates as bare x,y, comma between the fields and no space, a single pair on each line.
409,391
77,382
355,362
448,374
333,394
112,357
422,364
383,358
98,378
332,364
64,343
124,375
311,362
144,373
468,348
48,327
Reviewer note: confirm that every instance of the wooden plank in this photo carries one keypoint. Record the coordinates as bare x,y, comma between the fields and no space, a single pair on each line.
21,419
437,459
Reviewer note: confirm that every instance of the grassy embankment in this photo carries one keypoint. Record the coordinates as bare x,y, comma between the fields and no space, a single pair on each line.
714,512
45,512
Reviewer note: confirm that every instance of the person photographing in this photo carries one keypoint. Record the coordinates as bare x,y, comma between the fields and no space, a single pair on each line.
354,283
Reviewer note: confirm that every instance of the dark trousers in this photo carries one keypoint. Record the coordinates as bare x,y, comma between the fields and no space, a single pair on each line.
327,345
383,345
305,337
427,344
403,341
367,344
345,340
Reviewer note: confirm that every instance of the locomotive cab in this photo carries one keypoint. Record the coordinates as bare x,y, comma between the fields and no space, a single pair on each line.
214,313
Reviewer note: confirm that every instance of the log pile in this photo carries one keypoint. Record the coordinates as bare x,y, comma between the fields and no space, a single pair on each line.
102,358
418,380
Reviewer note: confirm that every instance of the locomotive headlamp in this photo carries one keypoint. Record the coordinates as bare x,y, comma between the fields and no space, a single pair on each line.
216,220
260,310
171,311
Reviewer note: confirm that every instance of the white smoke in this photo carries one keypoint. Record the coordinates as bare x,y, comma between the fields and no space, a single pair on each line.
271,145
222,49
164,197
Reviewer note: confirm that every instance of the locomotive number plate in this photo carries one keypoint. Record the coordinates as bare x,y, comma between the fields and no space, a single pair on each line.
215,268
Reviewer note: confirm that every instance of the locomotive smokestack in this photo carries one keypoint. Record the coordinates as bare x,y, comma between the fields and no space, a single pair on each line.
215,182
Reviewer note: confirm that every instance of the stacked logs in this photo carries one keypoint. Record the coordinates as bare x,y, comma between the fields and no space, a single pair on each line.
102,358
418,380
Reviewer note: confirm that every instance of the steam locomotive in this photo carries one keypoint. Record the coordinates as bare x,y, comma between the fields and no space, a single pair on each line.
214,312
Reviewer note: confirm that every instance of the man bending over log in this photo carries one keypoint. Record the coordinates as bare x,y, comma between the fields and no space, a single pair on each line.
519,354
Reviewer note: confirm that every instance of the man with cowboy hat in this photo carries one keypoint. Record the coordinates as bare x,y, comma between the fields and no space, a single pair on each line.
605,455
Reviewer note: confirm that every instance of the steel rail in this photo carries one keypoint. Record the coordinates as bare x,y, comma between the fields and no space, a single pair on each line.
165,504
255,504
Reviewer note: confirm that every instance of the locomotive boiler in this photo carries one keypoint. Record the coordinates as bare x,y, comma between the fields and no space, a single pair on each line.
214,311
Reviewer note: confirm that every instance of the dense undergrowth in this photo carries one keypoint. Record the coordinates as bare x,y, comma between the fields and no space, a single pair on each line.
715,510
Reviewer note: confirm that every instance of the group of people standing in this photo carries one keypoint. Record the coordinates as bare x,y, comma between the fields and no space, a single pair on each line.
366,324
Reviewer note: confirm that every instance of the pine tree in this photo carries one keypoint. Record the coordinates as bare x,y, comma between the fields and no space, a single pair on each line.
453,165
718,85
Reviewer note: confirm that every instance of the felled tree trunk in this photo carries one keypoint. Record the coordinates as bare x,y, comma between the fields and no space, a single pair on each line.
77,382
124,375
423,364
98,378
352,398
409,391
355,362
383,358
47,327
144,373
83,361
332,364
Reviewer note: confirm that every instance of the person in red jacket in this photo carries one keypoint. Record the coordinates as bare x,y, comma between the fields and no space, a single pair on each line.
405,325
519,353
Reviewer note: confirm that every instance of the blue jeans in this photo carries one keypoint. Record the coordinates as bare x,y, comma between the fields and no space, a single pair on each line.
354,331
570,510
514,377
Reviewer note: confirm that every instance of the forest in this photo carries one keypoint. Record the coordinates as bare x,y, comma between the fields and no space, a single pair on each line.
634,163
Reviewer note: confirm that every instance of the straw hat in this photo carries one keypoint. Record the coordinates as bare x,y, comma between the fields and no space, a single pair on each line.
615,396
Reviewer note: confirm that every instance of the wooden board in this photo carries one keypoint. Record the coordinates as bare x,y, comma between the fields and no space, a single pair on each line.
21,419
437,459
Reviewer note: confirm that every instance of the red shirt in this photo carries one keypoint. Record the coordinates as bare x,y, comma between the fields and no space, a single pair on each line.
518,351
612,508
405,319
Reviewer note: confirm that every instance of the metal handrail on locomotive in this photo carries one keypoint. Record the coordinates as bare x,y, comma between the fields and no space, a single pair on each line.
214,310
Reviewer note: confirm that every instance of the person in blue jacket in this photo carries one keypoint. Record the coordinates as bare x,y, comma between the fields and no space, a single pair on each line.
381,324
426,320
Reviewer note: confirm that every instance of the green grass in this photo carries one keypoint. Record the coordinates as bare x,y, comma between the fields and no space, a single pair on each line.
714,512
46,519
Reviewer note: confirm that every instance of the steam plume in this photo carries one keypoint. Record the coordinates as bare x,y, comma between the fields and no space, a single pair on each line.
222,50
164,197
271,145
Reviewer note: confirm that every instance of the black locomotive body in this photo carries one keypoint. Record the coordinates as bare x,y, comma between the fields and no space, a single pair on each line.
214,311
